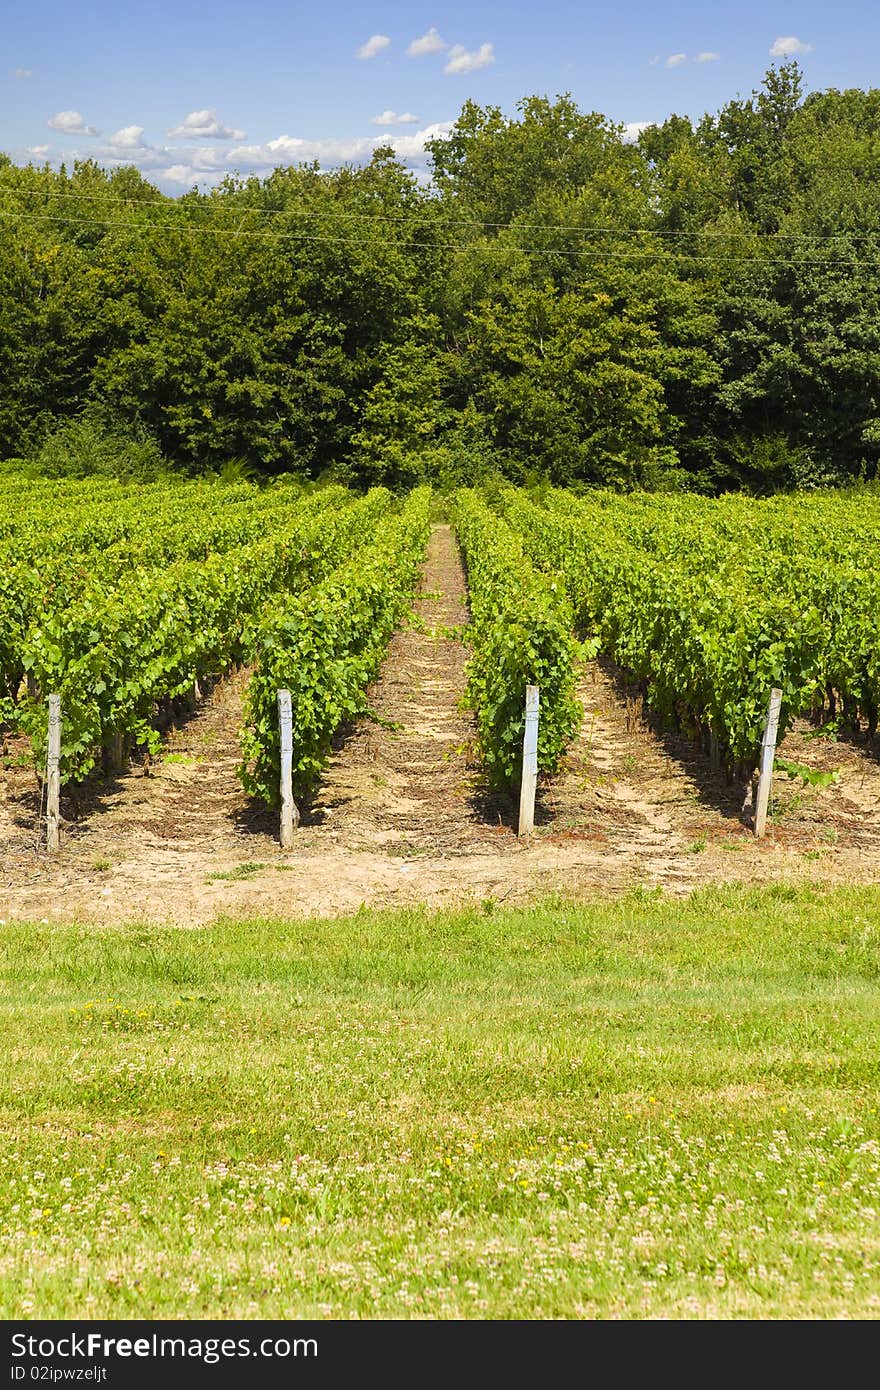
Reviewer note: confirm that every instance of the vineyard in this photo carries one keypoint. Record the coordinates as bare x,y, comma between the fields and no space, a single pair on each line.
713,603
123,600
439,681
126,601
488,1030
709,604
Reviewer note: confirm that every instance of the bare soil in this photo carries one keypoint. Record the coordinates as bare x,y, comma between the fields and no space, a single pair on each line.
403,815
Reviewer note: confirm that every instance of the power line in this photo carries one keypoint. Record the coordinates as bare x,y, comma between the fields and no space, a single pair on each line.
428,215
600,255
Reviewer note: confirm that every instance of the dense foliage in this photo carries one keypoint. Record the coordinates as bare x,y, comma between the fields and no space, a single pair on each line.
325,646
712,602
520,634
123,597
700,308
120,600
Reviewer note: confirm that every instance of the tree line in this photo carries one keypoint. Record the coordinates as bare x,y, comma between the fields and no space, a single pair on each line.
696,309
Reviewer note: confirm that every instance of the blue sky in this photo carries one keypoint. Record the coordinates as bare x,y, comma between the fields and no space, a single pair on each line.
190,90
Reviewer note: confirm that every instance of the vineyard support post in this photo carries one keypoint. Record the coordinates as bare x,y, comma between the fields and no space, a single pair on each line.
530,765
53,777
765,769
114,753
714,752
289,809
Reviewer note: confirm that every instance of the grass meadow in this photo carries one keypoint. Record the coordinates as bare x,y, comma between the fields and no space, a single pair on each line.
632,1109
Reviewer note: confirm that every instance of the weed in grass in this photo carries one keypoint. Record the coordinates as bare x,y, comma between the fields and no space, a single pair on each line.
100,865
239,872
783,807
601,779
180,759
643,893
698,845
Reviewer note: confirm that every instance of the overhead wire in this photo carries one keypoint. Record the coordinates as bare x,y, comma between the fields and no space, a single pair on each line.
596,255
428,214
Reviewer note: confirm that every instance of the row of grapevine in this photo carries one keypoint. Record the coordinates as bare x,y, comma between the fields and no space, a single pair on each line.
325,647
520,634
712,603
115,645
121,598
184,522
57,546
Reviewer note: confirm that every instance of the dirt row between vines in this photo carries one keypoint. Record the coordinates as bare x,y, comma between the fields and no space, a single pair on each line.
403,815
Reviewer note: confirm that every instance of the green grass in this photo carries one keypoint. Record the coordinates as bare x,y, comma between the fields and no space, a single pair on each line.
625,1109
240,871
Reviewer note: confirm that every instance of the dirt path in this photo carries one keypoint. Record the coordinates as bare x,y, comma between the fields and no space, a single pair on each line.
402,815
404,781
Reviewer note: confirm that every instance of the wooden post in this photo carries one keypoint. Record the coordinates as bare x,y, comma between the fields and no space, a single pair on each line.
765,768
714,752
289,809
114,754
53,777
530,765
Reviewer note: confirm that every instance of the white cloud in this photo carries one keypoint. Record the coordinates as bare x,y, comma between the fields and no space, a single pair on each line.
788,47
204,125
632,130
707,58
373,45
179,173
392,118
412,147
462,61
37,149
22,74
652,62
676,59
130,137
292,146
428,43
71,123
183,165
292,149
187,175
